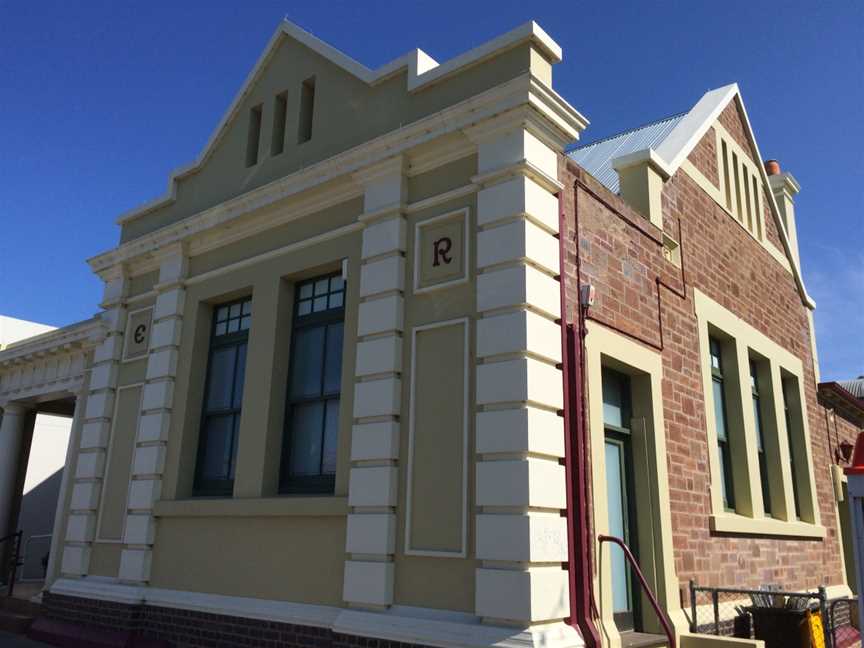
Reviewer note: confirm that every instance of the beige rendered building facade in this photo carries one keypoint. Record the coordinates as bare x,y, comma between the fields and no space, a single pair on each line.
327,396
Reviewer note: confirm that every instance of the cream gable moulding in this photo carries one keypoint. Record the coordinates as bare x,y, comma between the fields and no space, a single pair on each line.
677,145
423,70
520,100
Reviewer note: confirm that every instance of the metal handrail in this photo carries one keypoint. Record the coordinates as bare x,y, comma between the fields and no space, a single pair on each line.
22,559
14,559
664,620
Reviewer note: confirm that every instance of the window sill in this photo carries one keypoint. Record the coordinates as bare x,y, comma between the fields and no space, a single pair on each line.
324,506
738,524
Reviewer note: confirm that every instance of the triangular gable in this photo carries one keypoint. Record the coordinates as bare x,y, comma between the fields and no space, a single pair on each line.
422,70
668,156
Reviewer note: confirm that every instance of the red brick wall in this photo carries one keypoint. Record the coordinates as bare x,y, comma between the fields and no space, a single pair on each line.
704,157
621,257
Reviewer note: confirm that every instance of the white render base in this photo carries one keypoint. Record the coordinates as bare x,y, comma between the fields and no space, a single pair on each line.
399,623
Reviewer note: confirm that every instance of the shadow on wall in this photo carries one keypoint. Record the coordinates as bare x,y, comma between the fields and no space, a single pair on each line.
36,519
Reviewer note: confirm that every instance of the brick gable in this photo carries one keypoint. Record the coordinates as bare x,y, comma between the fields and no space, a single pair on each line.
621,256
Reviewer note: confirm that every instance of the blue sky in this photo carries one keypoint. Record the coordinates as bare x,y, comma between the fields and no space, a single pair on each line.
99,101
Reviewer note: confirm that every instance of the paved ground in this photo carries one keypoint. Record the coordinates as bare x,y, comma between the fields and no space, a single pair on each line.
16,641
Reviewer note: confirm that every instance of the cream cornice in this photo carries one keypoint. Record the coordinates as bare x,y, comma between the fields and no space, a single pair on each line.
510,98
785,182
422,71
63,340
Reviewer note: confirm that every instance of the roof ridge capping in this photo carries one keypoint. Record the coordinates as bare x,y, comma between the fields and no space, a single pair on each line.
676,146
422,68
682,139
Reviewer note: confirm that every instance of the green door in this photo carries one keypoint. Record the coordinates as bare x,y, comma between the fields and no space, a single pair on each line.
622,525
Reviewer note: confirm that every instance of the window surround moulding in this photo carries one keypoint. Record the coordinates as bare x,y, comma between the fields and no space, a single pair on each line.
717,195
711,314
767,526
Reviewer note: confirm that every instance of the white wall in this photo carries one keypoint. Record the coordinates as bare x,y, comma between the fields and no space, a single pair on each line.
13,330
48,450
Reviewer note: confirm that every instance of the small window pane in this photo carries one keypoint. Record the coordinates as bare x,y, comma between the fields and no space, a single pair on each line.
331,438
321,287
723,485
757,416
615,399
333,361
235,310
233,325
222,314
304,307
306,425
719,414
247,307
336,300
306,291
221,328
241,376
336,283
218,454
307,367
320,304
715,354
221,378
245,323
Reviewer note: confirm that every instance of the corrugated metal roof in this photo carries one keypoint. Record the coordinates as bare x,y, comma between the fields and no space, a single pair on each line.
596,158
854,387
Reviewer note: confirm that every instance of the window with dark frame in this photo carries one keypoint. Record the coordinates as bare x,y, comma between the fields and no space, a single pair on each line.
314,387
253,136
760,438
720,419
793,463
280,115
223,398
307,110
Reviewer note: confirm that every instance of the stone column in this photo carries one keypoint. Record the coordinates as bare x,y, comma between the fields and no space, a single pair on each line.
521,495
90,468
12,430
372,491
148,462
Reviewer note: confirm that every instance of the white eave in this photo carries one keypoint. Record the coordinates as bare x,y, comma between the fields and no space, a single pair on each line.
423,71
681,140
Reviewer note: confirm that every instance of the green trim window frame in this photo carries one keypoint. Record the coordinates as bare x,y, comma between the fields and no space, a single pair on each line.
314,387
760,438
721,419
620,481
223,398
790,436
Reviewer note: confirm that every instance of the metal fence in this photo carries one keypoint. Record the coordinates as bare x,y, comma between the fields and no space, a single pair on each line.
735,612
843,616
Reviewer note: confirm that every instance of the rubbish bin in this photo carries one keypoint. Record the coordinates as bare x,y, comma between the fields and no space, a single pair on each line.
779,627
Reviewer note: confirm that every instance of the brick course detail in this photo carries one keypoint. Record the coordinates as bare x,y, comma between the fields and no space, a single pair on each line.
192,629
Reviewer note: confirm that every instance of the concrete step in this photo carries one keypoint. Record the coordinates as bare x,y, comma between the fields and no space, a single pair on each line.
643,640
